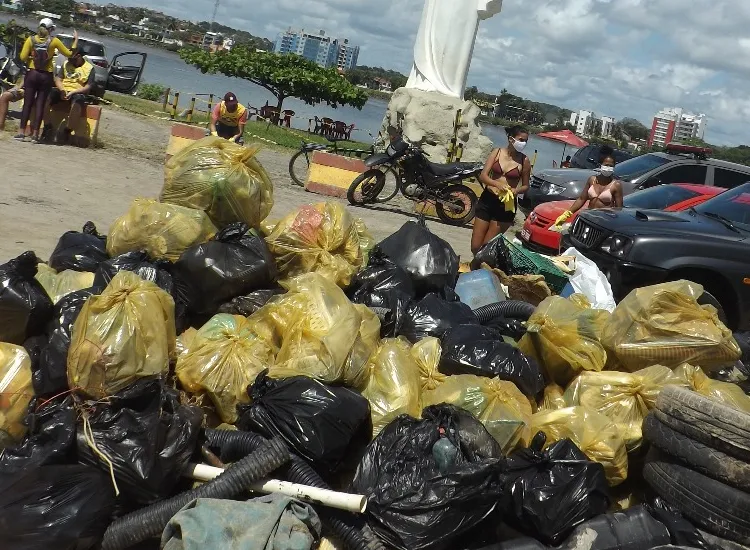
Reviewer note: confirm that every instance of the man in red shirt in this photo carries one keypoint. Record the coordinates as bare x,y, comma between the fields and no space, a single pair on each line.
228,118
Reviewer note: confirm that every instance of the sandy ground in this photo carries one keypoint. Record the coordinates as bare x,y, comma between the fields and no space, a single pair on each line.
48,189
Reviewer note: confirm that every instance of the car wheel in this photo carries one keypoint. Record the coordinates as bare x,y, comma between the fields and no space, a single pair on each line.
709,299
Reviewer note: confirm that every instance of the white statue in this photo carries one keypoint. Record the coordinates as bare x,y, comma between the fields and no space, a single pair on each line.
445,44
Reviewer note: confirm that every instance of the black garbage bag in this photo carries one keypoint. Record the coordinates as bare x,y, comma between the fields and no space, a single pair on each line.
430,261
60,507
148,436
512,328
49,440
433,316
548,493
231,264
743,339
50,371
479,350
428,481
249,303
25,307
80,251
495,254
319,422
681,531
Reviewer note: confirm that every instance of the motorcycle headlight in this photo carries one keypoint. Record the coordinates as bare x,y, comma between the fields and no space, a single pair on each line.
552,189
617,245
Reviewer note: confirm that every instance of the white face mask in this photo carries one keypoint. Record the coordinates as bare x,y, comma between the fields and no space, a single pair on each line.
607,170
519,145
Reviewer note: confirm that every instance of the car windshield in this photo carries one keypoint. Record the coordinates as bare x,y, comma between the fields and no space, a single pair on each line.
635,167
732,206
92,49
658,198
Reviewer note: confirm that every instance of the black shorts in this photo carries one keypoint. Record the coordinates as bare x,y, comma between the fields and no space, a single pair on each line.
55,97
491,209
227,132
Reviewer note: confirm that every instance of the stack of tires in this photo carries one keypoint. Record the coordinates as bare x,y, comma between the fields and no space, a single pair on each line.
700,461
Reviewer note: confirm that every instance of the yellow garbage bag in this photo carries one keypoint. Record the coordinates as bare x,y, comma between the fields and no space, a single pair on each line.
393,386
563,335
223,358
498,404
355,371
426,353
320,238
730,395
163,230
125,333
184,340
59,285
553,399
16,392
624,397
222,178
664,325
592,432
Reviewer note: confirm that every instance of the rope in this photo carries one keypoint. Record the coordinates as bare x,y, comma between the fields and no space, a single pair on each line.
88,435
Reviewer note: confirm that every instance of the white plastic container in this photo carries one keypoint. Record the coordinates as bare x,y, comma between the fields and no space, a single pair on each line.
479,288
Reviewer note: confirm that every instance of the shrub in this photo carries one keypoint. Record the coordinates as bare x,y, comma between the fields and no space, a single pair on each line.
151,92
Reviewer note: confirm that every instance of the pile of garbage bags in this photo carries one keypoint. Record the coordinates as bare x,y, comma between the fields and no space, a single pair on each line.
202,377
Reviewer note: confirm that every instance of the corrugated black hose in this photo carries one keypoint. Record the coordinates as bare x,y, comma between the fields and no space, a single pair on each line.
510,309
149,522
351,530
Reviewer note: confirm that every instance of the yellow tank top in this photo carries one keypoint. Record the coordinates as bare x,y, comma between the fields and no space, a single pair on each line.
231,119
75,78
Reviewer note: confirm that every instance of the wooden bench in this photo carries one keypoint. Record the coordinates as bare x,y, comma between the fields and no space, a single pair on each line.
86,131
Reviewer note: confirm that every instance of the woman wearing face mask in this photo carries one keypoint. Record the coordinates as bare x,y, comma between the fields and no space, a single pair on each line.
38,53
506,174
602,190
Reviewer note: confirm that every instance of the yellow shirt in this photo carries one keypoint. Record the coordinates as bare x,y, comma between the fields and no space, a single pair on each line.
54,45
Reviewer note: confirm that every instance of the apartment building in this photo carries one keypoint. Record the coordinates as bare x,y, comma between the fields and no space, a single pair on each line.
673,124
326,51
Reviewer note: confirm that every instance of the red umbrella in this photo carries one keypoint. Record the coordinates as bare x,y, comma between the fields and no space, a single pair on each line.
564,136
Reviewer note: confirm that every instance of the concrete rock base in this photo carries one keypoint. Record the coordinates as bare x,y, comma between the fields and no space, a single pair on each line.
429,116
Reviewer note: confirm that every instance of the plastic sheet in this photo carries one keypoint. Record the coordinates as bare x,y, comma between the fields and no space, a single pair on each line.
59,285
126,333
65,507
162,230
16,392
498,405
624,397
592,432
591,282
222,359
433,316
664,325
478,350
148,436
233,263
320,238
319,422
430,480
724,392
393,385
25,307
563,335
427,354
79,251
430,261
554,398
222,178
548,493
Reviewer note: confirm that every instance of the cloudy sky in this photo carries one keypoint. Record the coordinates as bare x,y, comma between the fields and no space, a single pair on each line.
615,57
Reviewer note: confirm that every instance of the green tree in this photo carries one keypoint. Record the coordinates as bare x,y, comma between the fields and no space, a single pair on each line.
634,128
13,35
284,75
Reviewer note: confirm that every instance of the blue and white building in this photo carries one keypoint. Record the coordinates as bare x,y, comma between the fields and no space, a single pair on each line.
324,50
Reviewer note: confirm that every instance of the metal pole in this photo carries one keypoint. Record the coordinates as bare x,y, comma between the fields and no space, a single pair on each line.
174,104
192,108
210,103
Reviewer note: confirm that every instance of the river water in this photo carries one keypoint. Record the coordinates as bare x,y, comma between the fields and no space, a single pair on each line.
166,68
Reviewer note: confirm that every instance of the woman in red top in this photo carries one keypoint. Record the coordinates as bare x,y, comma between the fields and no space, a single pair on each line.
506,174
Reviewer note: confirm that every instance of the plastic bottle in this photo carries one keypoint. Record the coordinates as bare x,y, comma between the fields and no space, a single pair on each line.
479,288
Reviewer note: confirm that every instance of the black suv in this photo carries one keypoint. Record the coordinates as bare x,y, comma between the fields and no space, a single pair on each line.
588,157
708,244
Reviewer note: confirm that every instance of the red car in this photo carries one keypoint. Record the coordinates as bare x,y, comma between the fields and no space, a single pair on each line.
536,234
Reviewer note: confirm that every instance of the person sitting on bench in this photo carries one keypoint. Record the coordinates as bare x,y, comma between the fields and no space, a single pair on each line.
73,83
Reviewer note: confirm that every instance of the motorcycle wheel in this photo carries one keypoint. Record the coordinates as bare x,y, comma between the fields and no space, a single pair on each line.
460,211
366,187
391,186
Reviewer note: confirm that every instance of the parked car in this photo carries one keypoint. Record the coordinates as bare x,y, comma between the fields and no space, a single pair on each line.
115,76
588,157
537,233
708,244
680,163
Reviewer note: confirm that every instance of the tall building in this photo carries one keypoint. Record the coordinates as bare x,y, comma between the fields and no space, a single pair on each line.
326,51
673,124
586,122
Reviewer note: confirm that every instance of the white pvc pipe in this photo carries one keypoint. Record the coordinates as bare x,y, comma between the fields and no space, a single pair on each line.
314,495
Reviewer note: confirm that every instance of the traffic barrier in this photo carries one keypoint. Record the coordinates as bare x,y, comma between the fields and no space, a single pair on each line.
182,136
86,132
331,175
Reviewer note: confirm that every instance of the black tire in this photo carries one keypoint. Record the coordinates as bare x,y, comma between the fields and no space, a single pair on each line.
696,455
390,189
720,543
371,183
294,169
709,422
718,508
465,195
709,299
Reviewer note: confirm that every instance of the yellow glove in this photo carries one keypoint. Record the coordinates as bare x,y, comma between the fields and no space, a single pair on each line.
565,216
508,199
215,134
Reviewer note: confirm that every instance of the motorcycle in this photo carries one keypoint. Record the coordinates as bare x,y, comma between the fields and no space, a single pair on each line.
418,180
